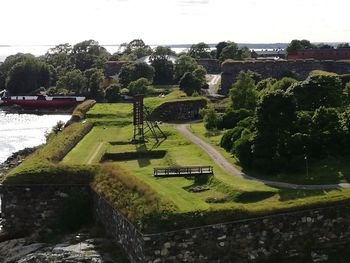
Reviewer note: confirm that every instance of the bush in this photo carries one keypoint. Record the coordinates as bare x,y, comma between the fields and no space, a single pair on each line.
232,117
229,138
243,150
112,93
139,87
211,119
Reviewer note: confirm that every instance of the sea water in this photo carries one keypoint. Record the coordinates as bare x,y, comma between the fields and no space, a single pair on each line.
19,131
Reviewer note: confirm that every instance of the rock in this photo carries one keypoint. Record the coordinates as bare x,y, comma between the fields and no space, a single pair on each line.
164,252
167,245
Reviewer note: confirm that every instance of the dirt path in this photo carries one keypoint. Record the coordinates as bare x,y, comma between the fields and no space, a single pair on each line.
230,169
97,150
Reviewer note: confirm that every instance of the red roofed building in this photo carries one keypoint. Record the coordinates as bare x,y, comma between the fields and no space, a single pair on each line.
321,54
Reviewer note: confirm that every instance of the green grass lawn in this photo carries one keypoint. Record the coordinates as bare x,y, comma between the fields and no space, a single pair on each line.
130,186
332,170
225,192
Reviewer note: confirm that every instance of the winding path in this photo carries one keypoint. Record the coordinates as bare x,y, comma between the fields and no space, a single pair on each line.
230,169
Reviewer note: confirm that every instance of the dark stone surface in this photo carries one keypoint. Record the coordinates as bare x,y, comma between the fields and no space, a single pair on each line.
28,208
298,69
178,110
117,226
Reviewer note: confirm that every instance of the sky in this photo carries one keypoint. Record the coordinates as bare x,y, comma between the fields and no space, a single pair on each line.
51,22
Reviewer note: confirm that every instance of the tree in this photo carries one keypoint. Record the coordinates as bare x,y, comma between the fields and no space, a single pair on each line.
163,66
275,113
324,46
211,119
60,58
89,54
200,50
326,132
135,70
184,64
139,87
343,45
229,52
243,92
200,74
265,84
232,51
94,79
317,91
112,93
220,46
73,81
28,75
190,84
137,48
299,44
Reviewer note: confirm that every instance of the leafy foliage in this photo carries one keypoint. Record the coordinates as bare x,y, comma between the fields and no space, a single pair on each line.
243,92
133,71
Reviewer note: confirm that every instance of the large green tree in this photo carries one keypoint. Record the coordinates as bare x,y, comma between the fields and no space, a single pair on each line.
94,80
89,54
137,48
135,70
243,92
317,91
163,66
74,81
60,58
200,50
28,75
299,44
190,84
184,64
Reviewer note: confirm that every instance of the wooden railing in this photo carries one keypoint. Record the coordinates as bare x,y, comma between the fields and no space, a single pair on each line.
183,171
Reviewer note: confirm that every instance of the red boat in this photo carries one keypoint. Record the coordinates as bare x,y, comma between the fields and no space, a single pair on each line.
41,101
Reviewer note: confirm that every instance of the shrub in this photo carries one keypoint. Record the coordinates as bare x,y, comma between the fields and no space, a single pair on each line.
229,138
112,93
232,117
211,119
139,87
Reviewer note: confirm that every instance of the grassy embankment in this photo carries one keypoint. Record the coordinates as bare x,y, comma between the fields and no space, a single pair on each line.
156,204
226,197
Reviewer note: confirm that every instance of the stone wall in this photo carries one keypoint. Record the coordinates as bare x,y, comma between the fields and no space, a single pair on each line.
117,226
298,69
27,208
212,66
178,110
282,235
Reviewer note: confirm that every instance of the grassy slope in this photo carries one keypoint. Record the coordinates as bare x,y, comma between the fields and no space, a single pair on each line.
252,198
328,171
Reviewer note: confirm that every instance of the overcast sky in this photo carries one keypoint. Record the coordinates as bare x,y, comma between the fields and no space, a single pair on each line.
173,21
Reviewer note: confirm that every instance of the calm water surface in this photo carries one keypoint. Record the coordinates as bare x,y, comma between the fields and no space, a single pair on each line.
18,131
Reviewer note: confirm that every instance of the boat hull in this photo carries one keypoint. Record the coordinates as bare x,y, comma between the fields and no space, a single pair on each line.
40,104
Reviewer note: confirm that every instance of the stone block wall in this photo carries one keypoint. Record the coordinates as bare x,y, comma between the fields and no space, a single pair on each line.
27,208
281,235
117,226
178,110
298,69
212,66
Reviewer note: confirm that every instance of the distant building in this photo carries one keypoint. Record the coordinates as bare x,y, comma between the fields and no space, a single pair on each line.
321,54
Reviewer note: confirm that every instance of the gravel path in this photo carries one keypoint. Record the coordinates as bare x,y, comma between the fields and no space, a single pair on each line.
230,169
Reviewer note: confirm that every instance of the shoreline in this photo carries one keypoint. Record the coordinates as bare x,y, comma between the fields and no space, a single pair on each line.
16,110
